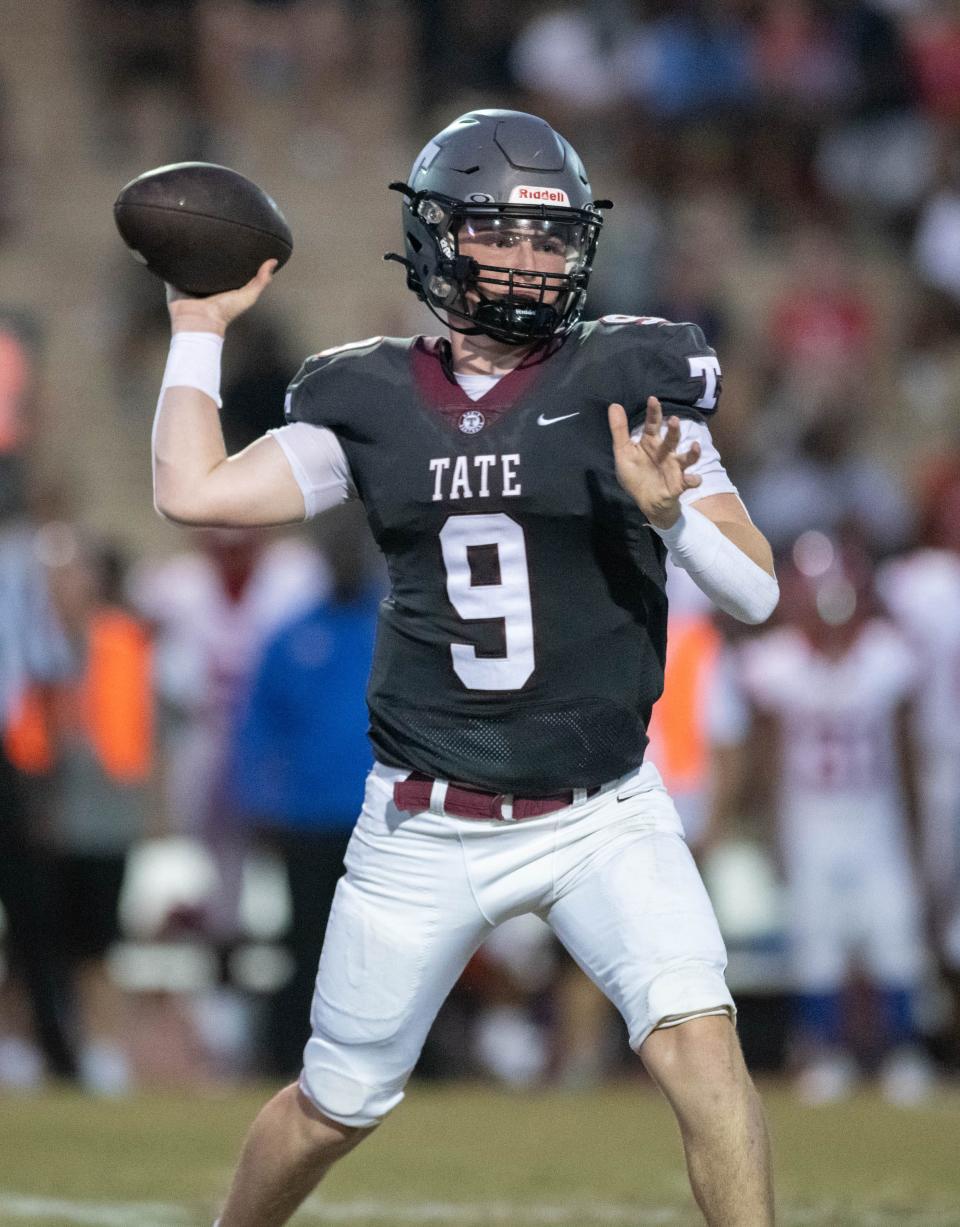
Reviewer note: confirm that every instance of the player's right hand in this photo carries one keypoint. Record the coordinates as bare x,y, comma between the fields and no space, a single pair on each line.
213,314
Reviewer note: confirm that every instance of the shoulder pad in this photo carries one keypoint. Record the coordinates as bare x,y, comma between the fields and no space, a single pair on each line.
304,402
331,357
670,361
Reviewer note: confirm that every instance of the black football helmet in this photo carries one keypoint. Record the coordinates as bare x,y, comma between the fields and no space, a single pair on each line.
499,178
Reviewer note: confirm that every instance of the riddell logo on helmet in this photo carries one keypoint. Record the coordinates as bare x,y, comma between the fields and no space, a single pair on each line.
539,195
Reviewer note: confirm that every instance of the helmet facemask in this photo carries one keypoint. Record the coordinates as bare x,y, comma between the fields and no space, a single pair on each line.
452,273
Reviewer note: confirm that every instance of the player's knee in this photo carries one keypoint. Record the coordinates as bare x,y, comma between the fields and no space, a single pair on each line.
347,1098
697,1057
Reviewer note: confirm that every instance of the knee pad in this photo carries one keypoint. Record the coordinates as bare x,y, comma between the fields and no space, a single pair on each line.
346,1095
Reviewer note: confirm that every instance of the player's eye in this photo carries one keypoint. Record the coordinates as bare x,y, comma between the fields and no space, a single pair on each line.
490,238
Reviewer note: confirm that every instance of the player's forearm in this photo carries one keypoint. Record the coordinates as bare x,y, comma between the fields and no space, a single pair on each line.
720,567
187,438
750,541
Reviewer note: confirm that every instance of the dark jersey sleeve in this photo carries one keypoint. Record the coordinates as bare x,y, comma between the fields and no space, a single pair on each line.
670,361
300,403
686,370
317,393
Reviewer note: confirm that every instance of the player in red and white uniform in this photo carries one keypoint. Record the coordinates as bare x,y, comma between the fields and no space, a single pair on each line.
833,686
922,592
212,610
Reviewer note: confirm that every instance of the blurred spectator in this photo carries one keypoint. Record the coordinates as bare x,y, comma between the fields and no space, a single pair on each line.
935,45
143,56
630,257
878,154
462,54
212,610
936,244
565,61
139,334
34,658
804,67
300,757
10,170
830,480
830,691
929,372
692,60
18,385
284,64
883,82
822,324
922,591
102,746
690,290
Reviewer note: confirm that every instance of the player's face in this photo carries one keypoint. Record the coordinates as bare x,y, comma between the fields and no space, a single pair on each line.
825,592
534,249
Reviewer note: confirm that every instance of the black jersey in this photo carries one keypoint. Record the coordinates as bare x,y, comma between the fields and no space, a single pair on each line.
522,645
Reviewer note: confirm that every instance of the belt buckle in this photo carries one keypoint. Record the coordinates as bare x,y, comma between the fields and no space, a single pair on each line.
504,800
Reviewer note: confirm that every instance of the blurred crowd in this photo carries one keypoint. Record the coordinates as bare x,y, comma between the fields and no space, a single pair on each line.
183,727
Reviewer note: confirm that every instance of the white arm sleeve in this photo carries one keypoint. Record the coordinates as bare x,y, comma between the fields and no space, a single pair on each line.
734,582
319,465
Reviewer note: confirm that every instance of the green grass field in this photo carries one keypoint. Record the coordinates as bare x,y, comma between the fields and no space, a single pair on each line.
473,1157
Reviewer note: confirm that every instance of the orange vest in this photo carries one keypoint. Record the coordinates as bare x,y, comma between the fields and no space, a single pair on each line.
14,380
111,705
678,744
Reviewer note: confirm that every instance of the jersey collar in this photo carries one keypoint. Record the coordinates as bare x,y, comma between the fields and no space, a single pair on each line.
434,380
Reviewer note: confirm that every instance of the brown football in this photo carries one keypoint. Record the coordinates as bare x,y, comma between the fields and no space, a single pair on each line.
203,228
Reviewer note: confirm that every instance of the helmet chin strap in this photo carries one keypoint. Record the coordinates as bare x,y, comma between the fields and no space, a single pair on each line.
497,314
495,317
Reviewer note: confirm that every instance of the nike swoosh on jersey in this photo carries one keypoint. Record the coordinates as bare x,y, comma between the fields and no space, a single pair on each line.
542,421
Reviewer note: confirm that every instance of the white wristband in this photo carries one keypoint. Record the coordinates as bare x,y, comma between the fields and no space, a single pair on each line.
719,568
194,362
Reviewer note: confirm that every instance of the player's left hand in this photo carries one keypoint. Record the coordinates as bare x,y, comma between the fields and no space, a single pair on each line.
651,470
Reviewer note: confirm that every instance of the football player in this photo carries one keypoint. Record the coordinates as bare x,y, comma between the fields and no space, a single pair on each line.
921,590
828,696
525,477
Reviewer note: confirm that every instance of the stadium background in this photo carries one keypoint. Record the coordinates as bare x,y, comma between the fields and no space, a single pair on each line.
785,173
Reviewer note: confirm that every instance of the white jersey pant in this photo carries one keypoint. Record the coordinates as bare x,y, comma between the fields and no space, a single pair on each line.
852,894
612,876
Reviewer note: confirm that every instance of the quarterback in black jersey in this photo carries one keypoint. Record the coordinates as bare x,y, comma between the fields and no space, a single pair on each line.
525,477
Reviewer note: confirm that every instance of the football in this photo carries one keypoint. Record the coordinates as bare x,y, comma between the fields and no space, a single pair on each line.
202,228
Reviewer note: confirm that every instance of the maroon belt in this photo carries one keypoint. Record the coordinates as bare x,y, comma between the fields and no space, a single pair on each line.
413,795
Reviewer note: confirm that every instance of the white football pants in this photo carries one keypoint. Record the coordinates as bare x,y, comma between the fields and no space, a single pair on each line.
612,876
